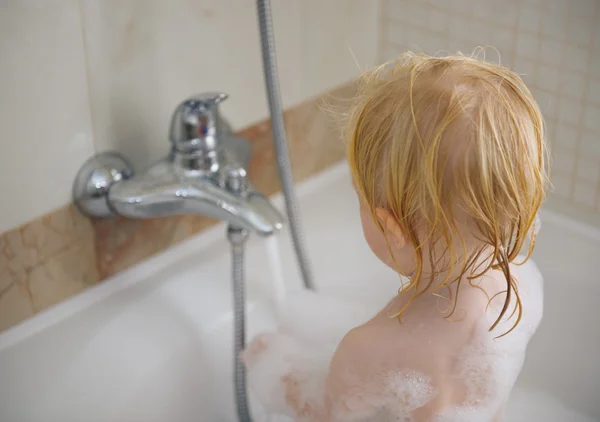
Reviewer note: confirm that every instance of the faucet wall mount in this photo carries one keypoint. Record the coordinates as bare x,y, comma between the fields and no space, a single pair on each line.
204,173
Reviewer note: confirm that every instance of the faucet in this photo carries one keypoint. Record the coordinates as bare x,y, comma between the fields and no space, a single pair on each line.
204,173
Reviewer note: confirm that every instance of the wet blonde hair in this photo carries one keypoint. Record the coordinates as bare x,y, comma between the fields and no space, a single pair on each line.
445,143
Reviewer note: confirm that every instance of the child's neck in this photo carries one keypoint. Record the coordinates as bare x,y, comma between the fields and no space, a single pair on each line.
449,282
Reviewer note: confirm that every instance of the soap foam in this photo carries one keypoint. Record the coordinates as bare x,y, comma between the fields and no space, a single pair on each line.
411,390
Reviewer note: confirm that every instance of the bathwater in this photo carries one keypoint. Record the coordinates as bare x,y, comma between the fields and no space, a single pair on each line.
278,290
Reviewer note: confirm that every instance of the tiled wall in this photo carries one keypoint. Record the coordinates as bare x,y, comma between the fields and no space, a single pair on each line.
555,45
89,75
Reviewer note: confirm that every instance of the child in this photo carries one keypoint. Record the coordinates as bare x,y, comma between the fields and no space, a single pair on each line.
448,162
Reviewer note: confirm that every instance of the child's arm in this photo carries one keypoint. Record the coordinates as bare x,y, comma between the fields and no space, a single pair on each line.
351,385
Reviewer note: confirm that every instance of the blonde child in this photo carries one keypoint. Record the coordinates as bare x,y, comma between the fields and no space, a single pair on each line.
448,161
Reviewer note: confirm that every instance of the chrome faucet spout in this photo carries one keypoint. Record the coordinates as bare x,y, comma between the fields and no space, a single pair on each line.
203,174
168,193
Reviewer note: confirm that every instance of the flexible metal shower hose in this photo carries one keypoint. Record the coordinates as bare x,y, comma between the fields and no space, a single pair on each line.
287,182
239,323
267,41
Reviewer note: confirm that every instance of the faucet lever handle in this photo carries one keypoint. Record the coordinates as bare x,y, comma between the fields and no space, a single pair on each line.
195,123
209,98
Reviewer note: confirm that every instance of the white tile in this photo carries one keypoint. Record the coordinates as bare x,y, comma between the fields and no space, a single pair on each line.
591,120
558,6
396,10
503,40
417,12
580,31
146,57
561,185
332,34
547,102
570,111
432,44
597,36
529,18
414,39
440,4
437,20
527,45
590,144
482,10
594,91
137,78
554,23
563,161
480,33
391,53
44,112
548,78
583,9
462,5
450,45
549,127
525,68
573,85
396,33
584,193
504,13
459,28
566,136
589,169
576,58
551,51
594,64
493,54
454,46
467,47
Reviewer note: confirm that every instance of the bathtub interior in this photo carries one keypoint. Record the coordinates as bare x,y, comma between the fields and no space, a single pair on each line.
563,358
155,343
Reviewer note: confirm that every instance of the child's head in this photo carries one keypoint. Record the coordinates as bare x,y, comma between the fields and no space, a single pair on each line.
448,159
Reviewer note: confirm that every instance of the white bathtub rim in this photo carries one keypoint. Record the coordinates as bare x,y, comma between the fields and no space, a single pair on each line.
549,216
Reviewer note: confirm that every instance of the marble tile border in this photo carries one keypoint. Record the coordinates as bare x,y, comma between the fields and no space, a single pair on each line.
61,254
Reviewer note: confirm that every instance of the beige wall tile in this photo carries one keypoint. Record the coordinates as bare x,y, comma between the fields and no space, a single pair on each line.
63,275
15,305
45,130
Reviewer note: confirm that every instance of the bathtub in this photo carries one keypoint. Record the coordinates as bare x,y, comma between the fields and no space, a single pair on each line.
154,343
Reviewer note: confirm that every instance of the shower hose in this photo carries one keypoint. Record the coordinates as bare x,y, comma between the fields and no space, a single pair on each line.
267,41
237,236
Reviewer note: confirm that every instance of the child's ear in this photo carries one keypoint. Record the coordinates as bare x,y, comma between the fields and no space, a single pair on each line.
391,227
